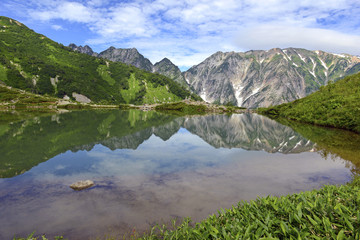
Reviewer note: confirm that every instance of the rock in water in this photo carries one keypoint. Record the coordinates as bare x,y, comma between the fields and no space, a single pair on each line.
82,185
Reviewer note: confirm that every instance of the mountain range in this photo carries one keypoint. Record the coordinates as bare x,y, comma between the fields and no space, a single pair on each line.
132,56
33,62
250,79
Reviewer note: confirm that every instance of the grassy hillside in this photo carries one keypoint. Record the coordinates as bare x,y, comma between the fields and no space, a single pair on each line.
335,105
33,62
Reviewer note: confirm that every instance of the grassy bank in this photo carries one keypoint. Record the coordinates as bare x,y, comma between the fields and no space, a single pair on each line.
196,108
335,105
331,212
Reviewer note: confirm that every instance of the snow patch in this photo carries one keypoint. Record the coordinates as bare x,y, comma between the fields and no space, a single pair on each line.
203,96
187,80
302,58
313,69
256,90
295,64
323,63
292,137
285,51
239,99
339,55
298,144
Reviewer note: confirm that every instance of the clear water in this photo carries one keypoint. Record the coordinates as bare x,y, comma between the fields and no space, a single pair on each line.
150,168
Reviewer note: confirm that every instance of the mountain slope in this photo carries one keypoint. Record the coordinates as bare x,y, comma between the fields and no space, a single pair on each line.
263,78
170,70
33,62
336,105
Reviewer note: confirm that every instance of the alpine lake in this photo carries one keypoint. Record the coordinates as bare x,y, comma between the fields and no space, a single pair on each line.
150,168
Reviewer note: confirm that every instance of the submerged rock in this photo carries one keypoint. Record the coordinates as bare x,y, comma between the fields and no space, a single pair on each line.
82,185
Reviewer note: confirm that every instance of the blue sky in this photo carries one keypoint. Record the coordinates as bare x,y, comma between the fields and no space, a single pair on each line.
188,31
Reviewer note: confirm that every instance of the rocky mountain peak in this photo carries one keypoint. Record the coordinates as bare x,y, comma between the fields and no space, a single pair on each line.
86,49
260,78
170,70
128,56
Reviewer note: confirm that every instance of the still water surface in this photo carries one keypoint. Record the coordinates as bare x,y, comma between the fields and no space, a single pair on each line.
150,168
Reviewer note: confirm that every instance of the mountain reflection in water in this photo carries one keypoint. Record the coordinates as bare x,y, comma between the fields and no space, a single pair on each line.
149,167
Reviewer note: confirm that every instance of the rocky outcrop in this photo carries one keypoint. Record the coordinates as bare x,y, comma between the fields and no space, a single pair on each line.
263,78
80,98
86,49
128,56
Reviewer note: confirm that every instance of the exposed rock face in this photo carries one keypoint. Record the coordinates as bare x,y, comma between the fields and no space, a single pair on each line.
81,98
263,78
86,49
128,56
81,185
170,70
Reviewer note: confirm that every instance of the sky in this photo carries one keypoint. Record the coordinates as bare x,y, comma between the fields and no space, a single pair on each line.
189,31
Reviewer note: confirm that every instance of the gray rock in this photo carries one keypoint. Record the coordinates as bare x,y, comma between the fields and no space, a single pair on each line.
128,56
86,49
82,185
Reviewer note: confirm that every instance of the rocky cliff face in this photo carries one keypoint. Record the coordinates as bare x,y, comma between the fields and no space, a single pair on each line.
128,56
263,78
86,49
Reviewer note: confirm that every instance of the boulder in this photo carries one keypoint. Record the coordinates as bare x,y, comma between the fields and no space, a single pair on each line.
82,185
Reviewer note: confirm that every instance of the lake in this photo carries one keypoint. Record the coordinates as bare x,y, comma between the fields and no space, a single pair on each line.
150,168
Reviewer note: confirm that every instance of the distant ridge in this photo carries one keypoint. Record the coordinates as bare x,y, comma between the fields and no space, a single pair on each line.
133,57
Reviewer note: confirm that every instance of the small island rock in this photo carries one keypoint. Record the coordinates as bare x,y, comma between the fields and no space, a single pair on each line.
82,185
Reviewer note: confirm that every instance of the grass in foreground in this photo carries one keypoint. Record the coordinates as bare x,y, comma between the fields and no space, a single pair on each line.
335,105
329,213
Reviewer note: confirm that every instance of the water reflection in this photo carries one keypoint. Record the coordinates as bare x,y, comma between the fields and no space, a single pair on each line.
25,144
147,167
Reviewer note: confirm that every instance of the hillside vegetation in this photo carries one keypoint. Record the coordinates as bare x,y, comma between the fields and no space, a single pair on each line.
33,62
335,105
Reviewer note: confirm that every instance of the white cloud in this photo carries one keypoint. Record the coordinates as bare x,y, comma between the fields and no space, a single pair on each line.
185,31
270,36
71,11
57,27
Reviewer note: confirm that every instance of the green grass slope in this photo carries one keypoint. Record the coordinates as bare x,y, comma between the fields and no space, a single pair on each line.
33,62
335,105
